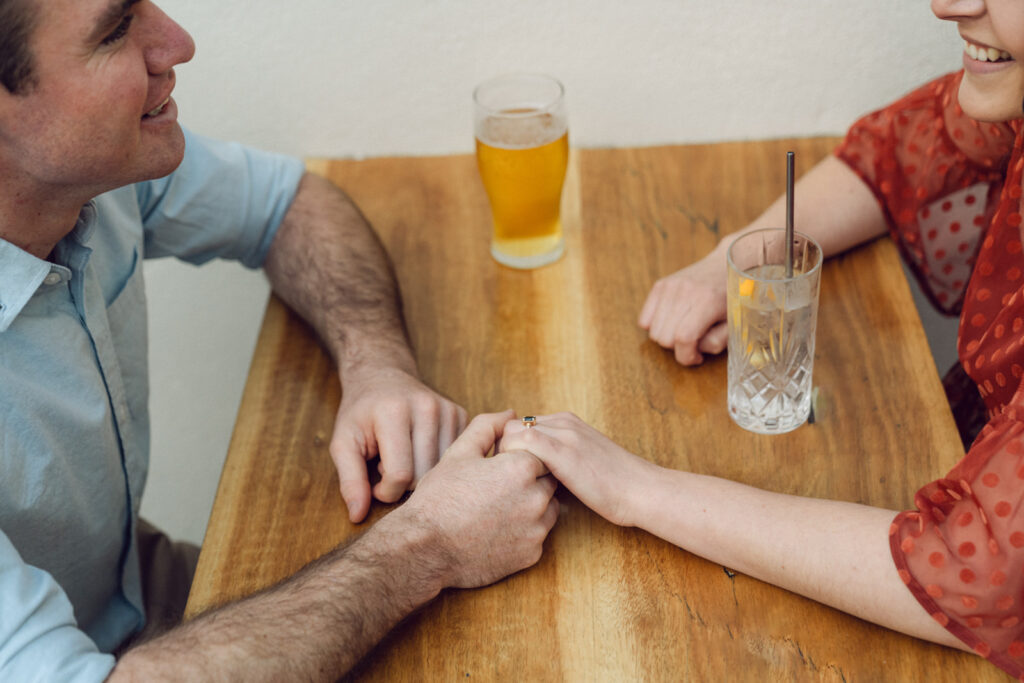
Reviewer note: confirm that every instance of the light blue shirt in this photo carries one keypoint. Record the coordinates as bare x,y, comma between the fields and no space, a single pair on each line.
74,422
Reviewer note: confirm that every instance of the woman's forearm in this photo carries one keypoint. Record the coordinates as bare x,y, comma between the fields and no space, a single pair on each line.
831,551
831,204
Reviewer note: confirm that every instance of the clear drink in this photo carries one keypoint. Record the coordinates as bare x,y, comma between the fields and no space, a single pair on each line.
772,322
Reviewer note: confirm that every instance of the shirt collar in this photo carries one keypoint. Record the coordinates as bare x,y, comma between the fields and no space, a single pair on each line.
85,225
21,273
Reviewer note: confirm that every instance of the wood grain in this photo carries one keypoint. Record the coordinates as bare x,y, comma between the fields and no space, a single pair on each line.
604,603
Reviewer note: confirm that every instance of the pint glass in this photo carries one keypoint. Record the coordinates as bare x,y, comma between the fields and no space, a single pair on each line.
522,150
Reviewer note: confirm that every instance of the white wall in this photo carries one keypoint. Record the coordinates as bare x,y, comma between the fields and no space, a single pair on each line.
393,77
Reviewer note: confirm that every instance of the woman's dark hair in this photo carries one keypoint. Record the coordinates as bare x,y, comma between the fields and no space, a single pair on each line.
17,20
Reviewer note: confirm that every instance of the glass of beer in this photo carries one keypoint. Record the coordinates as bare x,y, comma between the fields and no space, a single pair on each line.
522,150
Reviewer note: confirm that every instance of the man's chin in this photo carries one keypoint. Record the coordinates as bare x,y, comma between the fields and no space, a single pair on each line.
166,158
162,171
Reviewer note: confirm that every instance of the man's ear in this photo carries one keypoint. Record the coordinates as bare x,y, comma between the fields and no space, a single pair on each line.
7,111
11,108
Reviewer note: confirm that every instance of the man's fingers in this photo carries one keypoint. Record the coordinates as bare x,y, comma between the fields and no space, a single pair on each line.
353,480
539,445
454,431
449,428
548,484
426,440
480,434
538,468
396,458
550,515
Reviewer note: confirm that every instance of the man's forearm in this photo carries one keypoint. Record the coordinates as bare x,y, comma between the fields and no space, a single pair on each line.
313,626
329,266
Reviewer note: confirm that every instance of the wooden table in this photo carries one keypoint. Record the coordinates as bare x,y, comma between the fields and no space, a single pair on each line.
604,603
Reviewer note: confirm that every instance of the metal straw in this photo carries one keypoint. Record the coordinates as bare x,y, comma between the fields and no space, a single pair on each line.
789,214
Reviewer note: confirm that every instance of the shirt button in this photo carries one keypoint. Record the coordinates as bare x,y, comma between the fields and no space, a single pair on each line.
51,279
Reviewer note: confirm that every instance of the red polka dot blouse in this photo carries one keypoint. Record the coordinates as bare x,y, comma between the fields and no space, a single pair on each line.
950,188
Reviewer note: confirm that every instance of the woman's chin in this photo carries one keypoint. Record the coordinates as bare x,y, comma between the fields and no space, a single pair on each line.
983,102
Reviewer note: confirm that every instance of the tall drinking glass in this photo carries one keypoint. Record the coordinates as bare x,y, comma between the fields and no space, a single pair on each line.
522,150
771,330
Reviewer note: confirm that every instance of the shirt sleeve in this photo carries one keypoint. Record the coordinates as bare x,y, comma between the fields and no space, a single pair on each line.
937,175
225,200
39,639
961,552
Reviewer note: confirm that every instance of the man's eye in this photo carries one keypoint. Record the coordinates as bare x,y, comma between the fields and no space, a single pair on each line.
120,32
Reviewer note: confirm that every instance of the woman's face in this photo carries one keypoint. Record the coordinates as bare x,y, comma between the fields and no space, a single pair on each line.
993,31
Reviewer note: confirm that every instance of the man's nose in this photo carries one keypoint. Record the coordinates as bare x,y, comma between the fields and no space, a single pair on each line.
167,43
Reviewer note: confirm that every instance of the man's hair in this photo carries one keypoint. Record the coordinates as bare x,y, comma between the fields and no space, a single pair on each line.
17,20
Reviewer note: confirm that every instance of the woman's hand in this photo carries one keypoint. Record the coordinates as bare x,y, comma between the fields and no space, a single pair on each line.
685,311
604,476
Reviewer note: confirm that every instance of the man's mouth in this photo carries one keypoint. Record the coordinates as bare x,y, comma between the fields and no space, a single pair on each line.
158,109
986,54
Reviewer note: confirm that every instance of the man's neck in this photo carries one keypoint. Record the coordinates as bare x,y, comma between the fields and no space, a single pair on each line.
37,221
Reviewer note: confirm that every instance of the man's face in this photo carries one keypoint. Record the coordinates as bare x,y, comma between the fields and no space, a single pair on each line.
100,115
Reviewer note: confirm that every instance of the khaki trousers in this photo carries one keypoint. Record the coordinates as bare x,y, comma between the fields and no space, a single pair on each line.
167,569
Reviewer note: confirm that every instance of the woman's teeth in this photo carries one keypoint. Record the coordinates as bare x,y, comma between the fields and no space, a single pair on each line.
986,54
158,109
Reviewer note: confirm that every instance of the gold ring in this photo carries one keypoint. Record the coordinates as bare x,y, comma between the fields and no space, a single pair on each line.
529,421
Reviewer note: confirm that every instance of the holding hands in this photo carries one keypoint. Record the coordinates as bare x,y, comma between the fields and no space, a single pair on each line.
389,413
490,515
603,475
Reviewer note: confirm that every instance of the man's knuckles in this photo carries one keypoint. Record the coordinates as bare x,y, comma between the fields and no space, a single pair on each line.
426,405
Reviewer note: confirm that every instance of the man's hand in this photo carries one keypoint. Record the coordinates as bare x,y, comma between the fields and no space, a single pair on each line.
472,521
327,264
491,515
685,311
390,414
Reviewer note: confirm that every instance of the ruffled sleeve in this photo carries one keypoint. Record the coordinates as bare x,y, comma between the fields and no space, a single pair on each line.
961,552
937,175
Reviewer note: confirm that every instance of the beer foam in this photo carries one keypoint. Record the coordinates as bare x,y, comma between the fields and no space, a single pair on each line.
521,130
